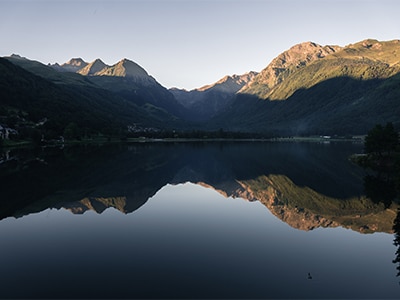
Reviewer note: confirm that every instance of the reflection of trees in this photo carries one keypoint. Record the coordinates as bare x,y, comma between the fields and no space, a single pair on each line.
385,188
396,223
383,155
396,242
380,189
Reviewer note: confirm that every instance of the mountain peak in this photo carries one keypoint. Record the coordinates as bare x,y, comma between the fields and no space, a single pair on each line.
76,62
128,69
92,68
125,68
98,61
302,54
286,63
73,65
17,56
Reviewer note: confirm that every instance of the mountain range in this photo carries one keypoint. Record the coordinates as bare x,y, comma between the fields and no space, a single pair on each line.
308,89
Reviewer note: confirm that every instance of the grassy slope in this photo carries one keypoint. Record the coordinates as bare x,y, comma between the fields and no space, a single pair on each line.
364,60
344,93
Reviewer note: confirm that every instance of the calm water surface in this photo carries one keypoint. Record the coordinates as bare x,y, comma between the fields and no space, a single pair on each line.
232,220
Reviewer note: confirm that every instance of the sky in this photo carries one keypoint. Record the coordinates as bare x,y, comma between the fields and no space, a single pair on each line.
187,43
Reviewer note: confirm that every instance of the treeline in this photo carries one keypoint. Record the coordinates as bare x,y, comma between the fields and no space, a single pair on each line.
381,149
198,134
382,156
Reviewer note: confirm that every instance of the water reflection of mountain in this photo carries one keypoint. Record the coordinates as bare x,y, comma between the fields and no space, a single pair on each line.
305,185
304,208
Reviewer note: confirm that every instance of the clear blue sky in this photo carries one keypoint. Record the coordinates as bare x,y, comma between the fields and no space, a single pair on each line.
184,43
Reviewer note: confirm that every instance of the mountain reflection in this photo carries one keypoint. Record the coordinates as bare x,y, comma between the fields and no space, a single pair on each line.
305,185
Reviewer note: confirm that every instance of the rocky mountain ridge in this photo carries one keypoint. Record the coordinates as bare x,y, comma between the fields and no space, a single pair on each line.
91,69
73,65
230,83
300,58
123,68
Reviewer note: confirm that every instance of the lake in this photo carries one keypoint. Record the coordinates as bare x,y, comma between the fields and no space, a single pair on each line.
195,220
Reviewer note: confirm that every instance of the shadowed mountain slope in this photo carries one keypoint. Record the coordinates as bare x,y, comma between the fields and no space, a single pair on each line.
209,100
156,106
130,81
85,104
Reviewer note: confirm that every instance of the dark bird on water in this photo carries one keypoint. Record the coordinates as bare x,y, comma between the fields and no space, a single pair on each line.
309,275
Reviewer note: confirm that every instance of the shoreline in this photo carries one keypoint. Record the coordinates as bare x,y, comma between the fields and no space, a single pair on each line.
312,139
